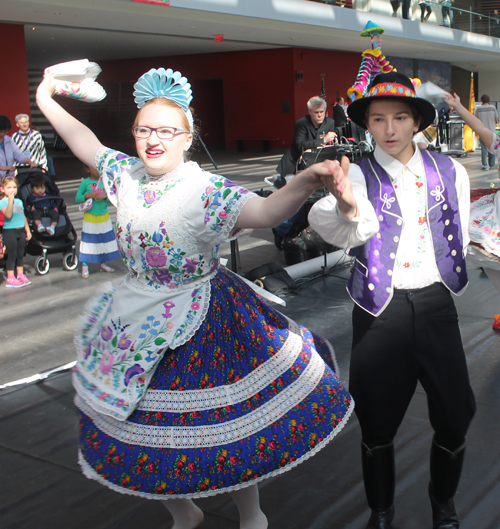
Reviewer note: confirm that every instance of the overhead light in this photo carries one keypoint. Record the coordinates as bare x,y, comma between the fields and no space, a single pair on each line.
33,28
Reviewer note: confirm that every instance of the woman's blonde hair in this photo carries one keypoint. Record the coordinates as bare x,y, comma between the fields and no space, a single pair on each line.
167,103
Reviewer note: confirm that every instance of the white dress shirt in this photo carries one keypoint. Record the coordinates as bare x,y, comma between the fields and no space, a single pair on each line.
415,263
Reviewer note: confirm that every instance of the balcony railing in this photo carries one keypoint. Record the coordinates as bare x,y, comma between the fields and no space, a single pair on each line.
466,20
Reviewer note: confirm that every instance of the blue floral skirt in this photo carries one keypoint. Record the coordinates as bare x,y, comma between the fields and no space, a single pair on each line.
250,396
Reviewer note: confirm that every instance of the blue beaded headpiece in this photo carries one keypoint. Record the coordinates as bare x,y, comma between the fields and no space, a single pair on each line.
164,83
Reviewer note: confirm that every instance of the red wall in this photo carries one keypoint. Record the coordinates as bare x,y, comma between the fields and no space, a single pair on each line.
340,69
254,84
14,86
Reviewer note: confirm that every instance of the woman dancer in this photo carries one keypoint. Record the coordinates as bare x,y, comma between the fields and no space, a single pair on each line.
188,383
484,227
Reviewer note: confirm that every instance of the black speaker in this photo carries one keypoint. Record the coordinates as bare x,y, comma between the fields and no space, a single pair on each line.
455,136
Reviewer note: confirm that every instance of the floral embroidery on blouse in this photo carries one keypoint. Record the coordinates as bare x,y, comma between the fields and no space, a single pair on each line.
422,228
150,191
219,199
484,228
110,168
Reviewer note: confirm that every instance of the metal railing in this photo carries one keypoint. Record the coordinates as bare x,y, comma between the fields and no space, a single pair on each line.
463,19
476,22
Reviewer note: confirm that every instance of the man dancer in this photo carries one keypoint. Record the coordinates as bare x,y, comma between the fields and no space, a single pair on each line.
407,213
30,140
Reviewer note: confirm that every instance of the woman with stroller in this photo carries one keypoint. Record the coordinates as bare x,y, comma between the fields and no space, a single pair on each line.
9,152
189,384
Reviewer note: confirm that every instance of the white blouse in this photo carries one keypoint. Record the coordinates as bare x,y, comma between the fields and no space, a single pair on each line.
415,265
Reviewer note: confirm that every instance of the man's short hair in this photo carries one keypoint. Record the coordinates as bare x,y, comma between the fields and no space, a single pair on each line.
21,116
485,98
316,102
339,99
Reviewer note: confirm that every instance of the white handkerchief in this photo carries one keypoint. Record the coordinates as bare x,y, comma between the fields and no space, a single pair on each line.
431,92
75,71
76,79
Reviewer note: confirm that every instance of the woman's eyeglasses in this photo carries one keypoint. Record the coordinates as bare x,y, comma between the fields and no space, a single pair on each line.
163,133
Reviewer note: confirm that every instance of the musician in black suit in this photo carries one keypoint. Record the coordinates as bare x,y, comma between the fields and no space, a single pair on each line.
311,131
339,113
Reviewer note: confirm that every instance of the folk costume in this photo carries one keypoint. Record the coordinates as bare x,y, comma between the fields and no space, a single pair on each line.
484,248
188,383
410,237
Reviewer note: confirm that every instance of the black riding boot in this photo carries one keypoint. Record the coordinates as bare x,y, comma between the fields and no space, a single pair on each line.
446,468
379,475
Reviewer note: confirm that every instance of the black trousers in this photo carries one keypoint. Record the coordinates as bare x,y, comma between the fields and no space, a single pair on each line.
14,241
416,338
52,213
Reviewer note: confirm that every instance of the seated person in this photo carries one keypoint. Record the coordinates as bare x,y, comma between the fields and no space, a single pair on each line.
311,131
42,208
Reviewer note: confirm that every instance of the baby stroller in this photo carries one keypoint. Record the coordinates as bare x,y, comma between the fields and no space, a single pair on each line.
65,238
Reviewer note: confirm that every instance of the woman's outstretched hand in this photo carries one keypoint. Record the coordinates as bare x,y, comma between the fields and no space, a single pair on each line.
453,101
48,86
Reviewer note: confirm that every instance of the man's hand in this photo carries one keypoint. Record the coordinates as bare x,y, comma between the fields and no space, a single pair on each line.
330,136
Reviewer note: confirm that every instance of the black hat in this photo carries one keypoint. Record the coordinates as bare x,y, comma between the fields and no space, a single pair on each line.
392,85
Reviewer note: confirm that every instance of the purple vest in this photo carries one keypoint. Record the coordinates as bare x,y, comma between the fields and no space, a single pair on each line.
370,285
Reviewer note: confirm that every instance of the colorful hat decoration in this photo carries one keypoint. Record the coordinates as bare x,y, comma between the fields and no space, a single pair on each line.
371,28
393,85
164,83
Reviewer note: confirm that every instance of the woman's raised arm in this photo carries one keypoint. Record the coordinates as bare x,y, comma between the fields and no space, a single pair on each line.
78,137
474,123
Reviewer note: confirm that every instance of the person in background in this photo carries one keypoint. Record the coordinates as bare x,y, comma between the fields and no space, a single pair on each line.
313,130
41,206
488,116
395,6
447,12
425,10
496,23
30,140
406,5
9,152
15,232
98,240
339,115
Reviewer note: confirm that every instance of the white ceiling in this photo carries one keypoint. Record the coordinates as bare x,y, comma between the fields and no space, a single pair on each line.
60,30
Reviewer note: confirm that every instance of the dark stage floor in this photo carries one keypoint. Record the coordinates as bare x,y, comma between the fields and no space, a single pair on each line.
42,487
